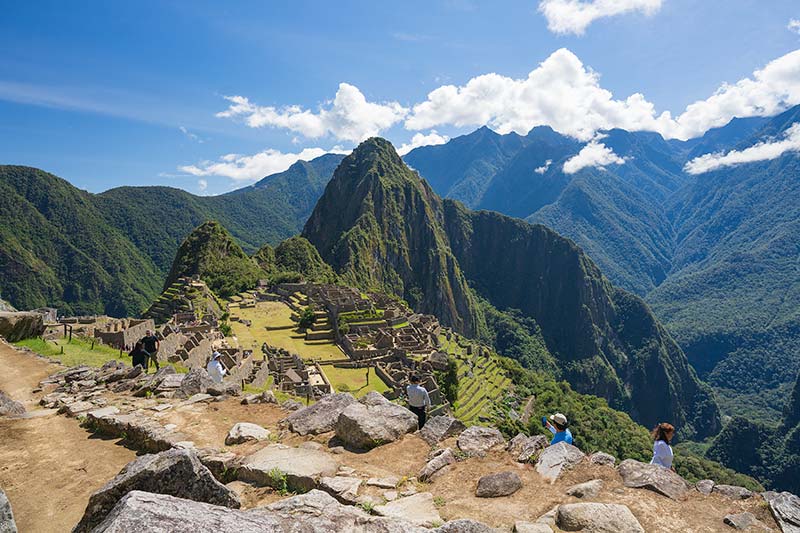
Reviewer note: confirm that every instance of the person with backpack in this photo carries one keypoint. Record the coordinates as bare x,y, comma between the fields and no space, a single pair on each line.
138,356
662,451
557,425
150,345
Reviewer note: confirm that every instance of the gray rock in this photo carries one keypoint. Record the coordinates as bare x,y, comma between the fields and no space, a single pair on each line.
139,431
314,512
662,480
704,486
77,408
733,492
291,405
7,524
344,489
742,521
390,482
590,489
528,447
16,326
418,509
175,472
477,440
445,458
320,417
9,407
602,458
197,381
597,518
265,397
556,459
521,526
221,464
785,509
465,525
440,427
302,467
373,423
244,432
496,485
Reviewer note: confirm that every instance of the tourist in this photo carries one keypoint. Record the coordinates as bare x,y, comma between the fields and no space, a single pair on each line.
215,368
138,356
558,427
662,451
418,400
150,345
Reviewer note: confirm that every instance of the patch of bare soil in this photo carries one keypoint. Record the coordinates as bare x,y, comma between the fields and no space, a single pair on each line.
49,465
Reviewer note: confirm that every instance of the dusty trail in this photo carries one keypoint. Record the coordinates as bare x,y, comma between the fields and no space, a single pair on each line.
49,465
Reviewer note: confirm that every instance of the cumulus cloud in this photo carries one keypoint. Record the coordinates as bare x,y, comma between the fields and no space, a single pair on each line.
253,167
542,169
565,94
574,16
349,117
594,154
422,140
794,26
763,151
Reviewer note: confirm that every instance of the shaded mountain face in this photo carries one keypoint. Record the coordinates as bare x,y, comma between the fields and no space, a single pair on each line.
297,256
380,226
109,253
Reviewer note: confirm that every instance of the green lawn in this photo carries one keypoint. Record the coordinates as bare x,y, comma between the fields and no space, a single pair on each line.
76,352
354,380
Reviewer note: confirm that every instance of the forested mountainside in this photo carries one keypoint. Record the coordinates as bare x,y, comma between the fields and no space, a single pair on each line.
109,253
381,227
715,254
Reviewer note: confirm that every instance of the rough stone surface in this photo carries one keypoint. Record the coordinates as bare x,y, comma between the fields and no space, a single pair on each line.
477,440
244,432
373,422
785,509
590,489
640,475
7,524
465,525
704,486
556,459
175,472
496,485
344,489
602,458
141,432
303,467
9,407
265,397
742,521
521,526
597,518
383,482
16,326
733,492
418,509
314,512
446,457
440,427
197,381
320,417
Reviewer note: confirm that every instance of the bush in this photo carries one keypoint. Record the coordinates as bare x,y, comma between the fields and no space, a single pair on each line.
307,317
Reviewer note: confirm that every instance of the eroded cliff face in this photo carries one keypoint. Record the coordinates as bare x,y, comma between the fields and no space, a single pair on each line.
380,226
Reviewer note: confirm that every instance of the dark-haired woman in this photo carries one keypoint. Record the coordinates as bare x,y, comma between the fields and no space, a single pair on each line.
662,451
138,356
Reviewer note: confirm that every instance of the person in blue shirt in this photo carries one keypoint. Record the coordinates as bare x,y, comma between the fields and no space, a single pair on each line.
558,427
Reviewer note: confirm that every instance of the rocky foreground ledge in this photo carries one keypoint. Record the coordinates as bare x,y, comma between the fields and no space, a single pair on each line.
178,486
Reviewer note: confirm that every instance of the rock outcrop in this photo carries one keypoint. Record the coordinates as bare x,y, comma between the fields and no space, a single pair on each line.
656,478
10,407
7,524
525,447
439,460
597,518
320,417
733,492
440,427
477,440
785,509
175,472
496,485
418,509
589,489
556,459
373,421
17,326
299,468
197,381
244,432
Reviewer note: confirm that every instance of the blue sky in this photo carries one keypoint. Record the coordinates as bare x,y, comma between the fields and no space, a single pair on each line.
114,93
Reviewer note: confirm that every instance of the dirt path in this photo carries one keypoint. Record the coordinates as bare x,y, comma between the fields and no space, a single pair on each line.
48,465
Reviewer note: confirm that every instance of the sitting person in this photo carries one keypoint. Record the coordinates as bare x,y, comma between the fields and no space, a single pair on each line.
662,451
138,356
215,368
558,428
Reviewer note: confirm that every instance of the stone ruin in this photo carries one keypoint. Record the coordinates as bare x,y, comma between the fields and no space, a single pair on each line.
123,333
291,374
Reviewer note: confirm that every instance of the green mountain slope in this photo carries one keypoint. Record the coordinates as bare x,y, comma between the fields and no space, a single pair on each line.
294,259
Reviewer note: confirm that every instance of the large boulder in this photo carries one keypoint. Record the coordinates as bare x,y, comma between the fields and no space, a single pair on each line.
440,427
589,489
17,326
373,422
597,518
732,491
175,472
9,407
785,509
477,440
7,524
745,521
320,417
343,488
299,468
440,459
662,480
197,381
704,486
496,485
556,459
602,458
525,447
418,509
246,432
466,525
312,512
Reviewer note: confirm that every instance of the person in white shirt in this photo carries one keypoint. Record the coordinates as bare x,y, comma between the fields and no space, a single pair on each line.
215,368
662,451
418,400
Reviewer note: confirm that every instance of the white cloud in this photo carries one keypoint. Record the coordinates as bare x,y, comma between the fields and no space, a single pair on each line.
191,136
253,167
542,169
202,185
422,140
349,117
762,151
574,16
594,154
565,94
794,26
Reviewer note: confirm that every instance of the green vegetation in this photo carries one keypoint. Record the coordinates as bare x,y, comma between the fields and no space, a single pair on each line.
354,380
448,381
78,351
307,318
352,317
294,260
277,480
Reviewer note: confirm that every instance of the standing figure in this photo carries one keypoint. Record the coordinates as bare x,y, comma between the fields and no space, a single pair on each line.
418,400
150,345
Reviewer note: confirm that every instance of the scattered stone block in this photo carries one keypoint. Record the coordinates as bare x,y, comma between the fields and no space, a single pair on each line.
244,432
732,492
439,461
418,509
597,518
302,467
320,417
589,489
7,524
602,458
662,480
785,509
556,459
373,422
745,521
440,427
383,482
704,486
344,489
497,485
477,440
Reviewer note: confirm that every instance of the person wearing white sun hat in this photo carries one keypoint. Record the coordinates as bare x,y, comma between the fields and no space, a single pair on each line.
558,427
